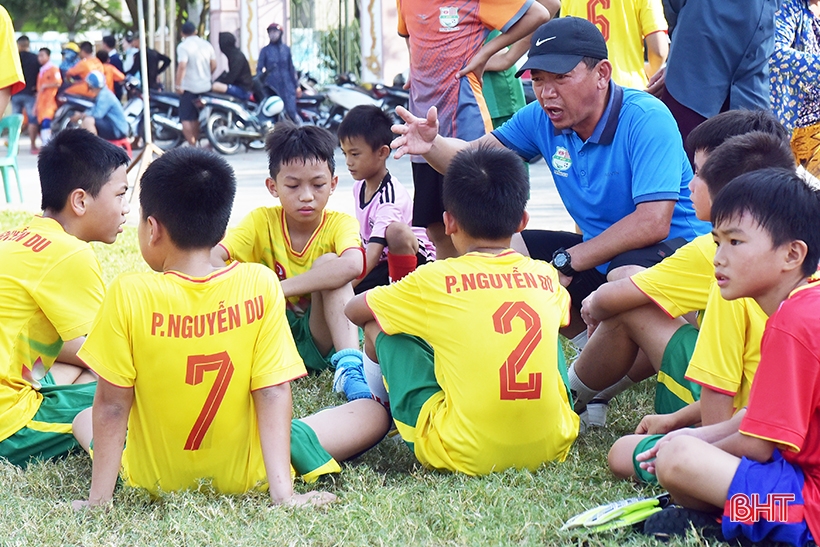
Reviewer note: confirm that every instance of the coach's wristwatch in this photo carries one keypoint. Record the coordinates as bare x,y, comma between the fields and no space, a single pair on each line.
562,261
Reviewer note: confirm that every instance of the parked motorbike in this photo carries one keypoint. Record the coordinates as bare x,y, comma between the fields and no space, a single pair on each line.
391,97
71,105
233,123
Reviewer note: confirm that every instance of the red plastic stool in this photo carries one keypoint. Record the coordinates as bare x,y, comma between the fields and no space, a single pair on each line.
123,143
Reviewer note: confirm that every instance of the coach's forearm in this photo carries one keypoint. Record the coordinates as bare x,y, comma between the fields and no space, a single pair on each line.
647,225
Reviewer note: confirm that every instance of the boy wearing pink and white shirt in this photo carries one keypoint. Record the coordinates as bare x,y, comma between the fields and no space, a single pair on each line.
383,207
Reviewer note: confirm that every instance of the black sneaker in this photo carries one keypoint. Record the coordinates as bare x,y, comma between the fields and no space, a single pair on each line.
676,521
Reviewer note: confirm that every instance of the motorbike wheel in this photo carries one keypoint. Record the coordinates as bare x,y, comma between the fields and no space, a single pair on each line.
218,122
165,137
62,120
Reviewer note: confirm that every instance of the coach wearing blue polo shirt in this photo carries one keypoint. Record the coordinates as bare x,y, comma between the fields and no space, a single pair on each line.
615,154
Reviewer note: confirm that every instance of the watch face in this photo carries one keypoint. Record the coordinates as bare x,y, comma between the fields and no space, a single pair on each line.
560,260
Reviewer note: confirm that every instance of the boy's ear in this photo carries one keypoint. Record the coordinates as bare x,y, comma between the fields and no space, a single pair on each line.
78,201
796,252
270,183
525,219
333,182
156,231
450,224
384,152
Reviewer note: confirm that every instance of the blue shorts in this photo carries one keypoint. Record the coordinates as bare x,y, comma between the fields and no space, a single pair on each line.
238,92
777,477
21,102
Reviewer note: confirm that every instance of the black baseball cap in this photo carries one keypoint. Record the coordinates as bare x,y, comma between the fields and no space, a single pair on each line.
560,44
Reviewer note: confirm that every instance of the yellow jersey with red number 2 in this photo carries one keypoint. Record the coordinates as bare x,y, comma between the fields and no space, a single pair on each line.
493,323
194,349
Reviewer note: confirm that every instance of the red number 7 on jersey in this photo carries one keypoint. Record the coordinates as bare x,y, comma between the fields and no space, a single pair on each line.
198,365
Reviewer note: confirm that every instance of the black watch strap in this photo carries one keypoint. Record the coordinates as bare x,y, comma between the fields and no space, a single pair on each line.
563,263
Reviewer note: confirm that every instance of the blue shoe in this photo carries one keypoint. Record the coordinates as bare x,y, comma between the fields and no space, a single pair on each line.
349,375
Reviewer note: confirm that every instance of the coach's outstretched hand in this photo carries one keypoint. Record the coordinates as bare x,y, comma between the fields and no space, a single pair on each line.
417,134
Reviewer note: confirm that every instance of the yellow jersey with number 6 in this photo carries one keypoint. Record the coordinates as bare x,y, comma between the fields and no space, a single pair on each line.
193,350
493,323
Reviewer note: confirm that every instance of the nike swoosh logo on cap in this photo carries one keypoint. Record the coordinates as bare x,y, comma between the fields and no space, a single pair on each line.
539,42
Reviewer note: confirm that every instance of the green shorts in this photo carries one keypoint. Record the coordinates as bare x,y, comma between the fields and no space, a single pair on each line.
48,434
408,367
673,390
645,444
307,456
313,358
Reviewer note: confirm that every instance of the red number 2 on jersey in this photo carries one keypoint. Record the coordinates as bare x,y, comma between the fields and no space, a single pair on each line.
511,387
600,20
198,365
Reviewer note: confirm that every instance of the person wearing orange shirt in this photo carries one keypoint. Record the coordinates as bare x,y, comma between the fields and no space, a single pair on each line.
112,74
88,63
48,82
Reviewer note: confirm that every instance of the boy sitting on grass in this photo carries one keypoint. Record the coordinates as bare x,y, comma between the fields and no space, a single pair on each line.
384,209
469,346
51,287
315,253
768,244
727,351
196,360
638,323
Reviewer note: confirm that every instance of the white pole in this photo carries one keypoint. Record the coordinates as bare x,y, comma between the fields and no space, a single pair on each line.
146,101
172,37
152,23
163,32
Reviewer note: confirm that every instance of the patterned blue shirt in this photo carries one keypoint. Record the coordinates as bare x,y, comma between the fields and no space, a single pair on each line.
795,65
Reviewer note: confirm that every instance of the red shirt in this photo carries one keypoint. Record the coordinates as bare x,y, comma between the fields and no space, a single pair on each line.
784,405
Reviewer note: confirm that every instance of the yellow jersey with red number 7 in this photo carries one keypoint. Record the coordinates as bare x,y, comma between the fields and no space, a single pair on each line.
193,350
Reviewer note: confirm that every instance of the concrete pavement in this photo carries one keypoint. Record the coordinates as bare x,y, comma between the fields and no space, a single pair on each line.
545,207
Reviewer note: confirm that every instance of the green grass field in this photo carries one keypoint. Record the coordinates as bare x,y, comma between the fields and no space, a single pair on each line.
385,497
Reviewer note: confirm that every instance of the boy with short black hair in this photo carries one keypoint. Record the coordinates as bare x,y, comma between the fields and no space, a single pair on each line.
473,367
51,287
725,357
765,228
316,253
645,312
384,209
195,360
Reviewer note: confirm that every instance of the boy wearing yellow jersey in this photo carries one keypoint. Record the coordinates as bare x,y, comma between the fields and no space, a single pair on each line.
51,287
196,360
316,253
642,316
468,346
727,351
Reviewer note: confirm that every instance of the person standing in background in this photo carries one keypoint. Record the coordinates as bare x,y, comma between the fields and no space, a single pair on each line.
109,45
795,70
719,59
23,101
276,62
78,73
626,27
48,82
197,60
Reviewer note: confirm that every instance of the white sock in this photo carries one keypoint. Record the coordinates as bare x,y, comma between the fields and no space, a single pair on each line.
580,392
621,385
580,340
375,381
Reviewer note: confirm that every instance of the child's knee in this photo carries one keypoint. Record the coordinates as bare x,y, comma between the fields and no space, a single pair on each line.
81,428
675,458
621,456
371,332
401,239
